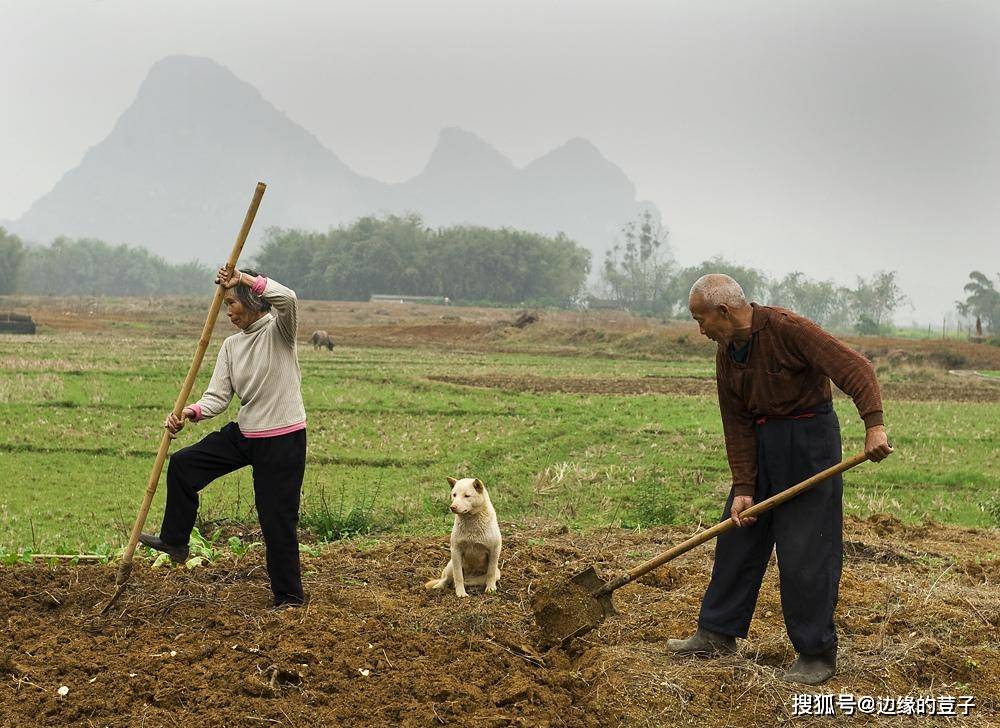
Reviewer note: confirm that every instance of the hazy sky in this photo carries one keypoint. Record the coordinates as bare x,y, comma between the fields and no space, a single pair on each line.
835,138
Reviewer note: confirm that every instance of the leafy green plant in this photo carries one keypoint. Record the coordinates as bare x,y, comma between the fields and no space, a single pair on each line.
202,550
12,558
240,548
992,508
205,547
311,549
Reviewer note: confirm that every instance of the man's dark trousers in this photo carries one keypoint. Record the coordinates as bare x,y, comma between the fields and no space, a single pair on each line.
278,467
807,531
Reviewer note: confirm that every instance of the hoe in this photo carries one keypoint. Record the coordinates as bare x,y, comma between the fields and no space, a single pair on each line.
572,609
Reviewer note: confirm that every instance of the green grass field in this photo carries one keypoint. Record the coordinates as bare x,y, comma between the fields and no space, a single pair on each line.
82,420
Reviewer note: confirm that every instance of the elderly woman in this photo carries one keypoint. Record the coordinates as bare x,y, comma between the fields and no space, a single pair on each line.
260,366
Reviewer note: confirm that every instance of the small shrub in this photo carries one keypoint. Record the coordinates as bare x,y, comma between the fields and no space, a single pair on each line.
651,504
334,519
866,326
948,359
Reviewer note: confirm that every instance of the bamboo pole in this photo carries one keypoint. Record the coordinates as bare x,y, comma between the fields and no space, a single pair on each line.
206,335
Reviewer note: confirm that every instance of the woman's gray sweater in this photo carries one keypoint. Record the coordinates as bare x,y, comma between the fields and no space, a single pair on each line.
260,366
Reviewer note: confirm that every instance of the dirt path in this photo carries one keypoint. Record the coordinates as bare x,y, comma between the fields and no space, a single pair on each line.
919,614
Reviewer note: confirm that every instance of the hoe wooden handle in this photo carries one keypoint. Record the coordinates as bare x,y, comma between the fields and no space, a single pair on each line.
709,534
206,336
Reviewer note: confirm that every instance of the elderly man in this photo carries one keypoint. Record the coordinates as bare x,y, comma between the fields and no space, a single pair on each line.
773,372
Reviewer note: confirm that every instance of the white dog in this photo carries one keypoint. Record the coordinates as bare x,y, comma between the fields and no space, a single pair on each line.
475,540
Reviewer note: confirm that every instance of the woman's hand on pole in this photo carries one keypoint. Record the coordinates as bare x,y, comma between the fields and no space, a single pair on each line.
228,278
176,424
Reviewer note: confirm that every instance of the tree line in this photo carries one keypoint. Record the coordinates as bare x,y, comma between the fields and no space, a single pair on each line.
401,255
393,254
92,267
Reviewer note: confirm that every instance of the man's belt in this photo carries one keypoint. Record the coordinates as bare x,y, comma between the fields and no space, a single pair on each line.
805,414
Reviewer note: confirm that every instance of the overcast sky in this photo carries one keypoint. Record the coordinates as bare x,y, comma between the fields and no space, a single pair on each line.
835,138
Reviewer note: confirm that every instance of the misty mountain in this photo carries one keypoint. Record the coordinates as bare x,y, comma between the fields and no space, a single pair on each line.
176,173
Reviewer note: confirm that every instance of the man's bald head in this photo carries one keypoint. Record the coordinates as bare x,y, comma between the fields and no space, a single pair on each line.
718,288
718,304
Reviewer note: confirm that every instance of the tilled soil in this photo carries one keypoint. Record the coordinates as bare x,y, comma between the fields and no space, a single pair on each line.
919,615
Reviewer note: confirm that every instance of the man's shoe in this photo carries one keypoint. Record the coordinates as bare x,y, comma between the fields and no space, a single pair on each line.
704,643
177,554
812,669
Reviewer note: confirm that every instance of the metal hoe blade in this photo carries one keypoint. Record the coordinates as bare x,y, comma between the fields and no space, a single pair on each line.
570,609
592,582
573,608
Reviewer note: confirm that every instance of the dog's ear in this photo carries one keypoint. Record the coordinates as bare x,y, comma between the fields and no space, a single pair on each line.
479,485
452,481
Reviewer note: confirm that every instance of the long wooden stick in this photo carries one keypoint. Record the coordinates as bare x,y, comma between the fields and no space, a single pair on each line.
710,533
206,335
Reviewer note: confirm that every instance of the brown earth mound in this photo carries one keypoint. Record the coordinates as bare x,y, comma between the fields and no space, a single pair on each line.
375,648
958,391
585,385
383,324
942,390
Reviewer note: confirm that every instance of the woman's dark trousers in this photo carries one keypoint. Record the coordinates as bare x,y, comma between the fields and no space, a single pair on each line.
278,466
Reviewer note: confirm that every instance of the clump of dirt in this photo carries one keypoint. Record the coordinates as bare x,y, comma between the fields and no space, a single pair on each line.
665,577
860,550
982,572
885,524
525,319
373,647
565,610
